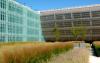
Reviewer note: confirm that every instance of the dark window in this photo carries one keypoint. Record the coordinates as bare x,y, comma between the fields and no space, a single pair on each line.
77,15
67,16
59,16
3,4
2,15
85,14
2,28
95,13
96,22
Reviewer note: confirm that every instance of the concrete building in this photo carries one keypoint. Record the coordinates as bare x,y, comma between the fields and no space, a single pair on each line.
67,18
18,22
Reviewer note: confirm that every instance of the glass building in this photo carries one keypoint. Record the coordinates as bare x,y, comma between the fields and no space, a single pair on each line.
67,18
19,22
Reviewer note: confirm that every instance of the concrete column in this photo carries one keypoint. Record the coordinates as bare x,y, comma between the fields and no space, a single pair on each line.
7,5
90,18
72,19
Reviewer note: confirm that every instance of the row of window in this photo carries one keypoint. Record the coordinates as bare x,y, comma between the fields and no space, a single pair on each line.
15,29
30,22
15,19
94,22
2,27
31,31
3,4
68,32
81,23
15,38
2,15
96,31
68,15
15,8
32,15
32,38
2,38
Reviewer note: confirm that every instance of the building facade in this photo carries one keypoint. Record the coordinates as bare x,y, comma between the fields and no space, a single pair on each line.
67,18
18,22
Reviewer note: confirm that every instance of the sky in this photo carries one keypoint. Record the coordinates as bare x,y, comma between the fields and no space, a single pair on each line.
56,4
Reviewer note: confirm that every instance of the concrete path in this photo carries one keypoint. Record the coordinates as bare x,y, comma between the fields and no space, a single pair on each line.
93,59
79,45
76,55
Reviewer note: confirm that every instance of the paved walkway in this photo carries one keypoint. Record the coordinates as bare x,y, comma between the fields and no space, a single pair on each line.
93,59
76,55
79,45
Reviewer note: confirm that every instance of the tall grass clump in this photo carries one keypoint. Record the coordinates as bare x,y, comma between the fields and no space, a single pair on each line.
31,52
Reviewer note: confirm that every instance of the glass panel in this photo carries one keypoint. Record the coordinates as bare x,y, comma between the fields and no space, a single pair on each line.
77,15
95,13
59,16
67,16
85,14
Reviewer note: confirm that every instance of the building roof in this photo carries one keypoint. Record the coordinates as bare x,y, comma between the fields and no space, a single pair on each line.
72,9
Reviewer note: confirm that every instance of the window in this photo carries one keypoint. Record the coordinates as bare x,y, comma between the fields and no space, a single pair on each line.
2,38
85,14
18,38
48,32
15,29
96,31
3,4
11,38
2,27
59,16
82,23
31,38
30,14
50,17
67,16
96,22
43,18
30,31
15,8
65,32
48,24
30,22
67,24
47,17
2,16
15,19
77,15
95,13
60,24
77,23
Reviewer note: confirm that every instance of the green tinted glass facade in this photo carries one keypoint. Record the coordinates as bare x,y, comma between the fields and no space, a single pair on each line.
18,22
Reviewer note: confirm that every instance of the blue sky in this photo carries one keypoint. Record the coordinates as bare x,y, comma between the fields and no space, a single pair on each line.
55,4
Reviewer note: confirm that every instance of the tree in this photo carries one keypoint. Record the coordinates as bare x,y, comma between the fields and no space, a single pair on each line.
75,32
56,32
79,31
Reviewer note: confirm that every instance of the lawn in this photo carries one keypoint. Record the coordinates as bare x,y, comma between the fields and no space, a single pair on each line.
30,52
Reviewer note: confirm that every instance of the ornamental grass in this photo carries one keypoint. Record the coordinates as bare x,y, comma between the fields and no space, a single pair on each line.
31,52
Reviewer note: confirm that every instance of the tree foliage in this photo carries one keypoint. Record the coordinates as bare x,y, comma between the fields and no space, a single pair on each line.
56,32
79,31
